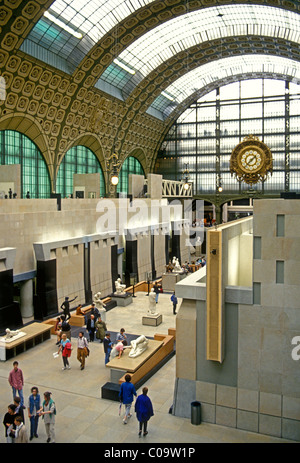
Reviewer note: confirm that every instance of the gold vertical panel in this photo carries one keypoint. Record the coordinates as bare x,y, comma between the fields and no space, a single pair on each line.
214,330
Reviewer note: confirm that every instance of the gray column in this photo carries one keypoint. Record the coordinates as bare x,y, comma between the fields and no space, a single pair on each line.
26,299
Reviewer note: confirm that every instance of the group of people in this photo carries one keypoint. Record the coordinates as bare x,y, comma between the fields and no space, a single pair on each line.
143,406
114,349
14,418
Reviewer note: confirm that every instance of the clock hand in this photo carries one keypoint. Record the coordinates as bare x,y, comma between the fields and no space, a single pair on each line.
250,160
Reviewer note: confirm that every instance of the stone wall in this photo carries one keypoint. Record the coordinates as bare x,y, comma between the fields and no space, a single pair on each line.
257,385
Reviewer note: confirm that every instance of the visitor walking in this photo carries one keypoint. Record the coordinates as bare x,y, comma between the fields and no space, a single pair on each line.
144,411
66,349
175,302
127,391
107,344
48,412
82,349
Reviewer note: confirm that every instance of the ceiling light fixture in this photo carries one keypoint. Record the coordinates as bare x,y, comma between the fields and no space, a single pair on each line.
63,25
167,96
124,66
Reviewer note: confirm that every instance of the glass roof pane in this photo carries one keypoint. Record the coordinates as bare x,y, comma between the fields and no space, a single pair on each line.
222,70
159,44
93,19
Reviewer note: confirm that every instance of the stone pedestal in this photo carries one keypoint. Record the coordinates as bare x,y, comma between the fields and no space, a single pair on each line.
122,300
102,314
169,281
152,320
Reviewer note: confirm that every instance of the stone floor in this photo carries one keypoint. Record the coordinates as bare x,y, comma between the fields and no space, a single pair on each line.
84,417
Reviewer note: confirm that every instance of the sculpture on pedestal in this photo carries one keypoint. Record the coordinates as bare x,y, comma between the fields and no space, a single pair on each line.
100,305
177,267
138,346
152,302
10,334
119,287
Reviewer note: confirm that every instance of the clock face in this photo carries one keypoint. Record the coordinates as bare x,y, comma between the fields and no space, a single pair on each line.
250,160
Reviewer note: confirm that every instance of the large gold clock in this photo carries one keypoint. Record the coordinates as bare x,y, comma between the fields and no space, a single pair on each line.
251,160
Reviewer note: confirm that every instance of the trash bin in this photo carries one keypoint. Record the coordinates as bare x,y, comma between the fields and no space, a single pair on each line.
196,413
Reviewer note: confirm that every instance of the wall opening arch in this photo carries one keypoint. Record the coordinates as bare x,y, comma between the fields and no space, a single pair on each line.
17,148
131,165
78,160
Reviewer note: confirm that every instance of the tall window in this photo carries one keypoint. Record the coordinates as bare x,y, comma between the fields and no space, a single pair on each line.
204,136
130,166
16,148
78,160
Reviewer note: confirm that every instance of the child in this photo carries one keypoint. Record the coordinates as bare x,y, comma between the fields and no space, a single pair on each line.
20,431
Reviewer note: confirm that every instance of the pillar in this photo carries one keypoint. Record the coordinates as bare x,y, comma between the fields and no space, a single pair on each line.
26,299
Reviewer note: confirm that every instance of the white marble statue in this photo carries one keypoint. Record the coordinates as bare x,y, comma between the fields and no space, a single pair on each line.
152,302
10,334
100,305
177,267
138,346
119,287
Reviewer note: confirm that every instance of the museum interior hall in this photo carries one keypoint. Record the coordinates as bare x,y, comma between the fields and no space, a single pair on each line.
150,181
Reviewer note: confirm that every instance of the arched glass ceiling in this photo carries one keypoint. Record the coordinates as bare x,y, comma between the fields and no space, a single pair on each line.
95,17
224,69
179,34
71,28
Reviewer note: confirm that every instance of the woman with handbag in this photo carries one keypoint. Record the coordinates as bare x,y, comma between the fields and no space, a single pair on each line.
82,349
66,348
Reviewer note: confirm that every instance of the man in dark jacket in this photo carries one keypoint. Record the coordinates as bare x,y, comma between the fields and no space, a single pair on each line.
127,391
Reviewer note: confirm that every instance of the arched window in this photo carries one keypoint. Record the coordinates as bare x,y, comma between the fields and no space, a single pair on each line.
78,160
17,148
130,166
203,137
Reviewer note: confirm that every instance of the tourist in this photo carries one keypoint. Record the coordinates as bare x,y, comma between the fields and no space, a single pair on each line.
127,391
8,422
121,336
16,380
91,327
82,349
118,349
107,344
20,431
101,329
66,348
34,404
144,411
174,301
48,412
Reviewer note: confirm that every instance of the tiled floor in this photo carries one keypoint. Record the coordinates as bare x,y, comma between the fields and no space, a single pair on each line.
83,417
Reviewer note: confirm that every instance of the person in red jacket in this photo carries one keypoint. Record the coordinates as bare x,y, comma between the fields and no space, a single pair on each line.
66,349
16,380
